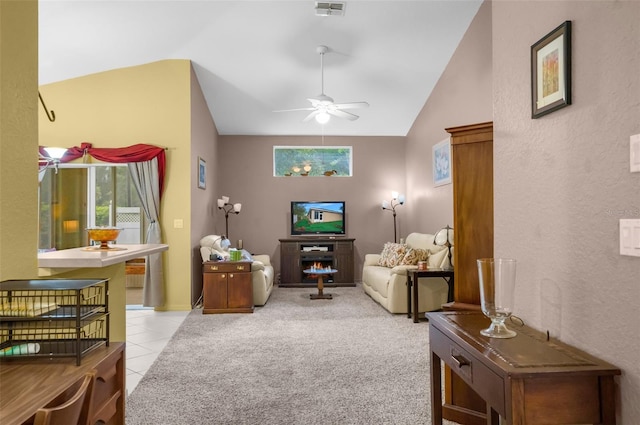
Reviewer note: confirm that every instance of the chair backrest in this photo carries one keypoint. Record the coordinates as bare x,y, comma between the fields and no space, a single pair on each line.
71,412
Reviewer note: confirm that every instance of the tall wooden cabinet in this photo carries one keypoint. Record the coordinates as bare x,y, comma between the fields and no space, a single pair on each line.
472,177
472,161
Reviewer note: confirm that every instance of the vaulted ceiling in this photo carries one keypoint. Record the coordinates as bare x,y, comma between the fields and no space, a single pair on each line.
254,57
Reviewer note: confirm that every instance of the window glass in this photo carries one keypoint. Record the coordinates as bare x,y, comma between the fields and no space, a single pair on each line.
312,161
81,196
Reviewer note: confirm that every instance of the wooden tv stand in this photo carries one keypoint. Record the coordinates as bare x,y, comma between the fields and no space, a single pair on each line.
297,253
525,380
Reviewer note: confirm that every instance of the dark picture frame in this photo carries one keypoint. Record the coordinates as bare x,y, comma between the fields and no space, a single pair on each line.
551,71
202,173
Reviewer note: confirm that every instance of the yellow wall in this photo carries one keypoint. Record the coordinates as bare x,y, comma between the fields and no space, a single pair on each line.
142,104
18,139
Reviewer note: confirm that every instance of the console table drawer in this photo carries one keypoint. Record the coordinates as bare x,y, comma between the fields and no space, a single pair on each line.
476,374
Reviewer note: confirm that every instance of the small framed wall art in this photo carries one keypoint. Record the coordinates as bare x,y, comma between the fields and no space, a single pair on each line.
202,173
441,163
551,71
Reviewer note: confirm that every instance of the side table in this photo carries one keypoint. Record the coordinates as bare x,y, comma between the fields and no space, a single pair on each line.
227,287
528,379
412,280
320,273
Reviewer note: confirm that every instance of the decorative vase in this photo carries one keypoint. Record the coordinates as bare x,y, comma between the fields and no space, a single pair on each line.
497,283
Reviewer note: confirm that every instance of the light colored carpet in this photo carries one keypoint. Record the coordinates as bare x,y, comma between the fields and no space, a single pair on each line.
293,361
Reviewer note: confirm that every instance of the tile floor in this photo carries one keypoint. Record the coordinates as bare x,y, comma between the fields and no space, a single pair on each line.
148,332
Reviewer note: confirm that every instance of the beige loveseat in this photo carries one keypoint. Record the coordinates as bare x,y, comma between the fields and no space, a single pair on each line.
388,285
261,268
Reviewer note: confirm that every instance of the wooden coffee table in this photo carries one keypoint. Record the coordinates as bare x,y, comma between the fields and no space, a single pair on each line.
320,273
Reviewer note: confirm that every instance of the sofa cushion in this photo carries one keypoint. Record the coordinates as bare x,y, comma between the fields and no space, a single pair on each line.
438,259
392,254
420,240
378,278
413,255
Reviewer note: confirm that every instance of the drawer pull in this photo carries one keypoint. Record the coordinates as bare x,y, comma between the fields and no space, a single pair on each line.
460,360
240,268
214,268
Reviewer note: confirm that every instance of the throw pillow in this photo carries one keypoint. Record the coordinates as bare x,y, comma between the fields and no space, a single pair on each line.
413,255
392,254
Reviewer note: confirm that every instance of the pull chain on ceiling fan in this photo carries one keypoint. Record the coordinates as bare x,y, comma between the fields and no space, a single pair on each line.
323,106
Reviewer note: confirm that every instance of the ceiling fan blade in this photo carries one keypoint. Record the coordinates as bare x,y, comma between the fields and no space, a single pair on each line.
311,115
351,105
297,109
342,114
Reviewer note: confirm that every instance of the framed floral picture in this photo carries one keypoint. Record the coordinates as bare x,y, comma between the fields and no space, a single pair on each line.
441,163
551,71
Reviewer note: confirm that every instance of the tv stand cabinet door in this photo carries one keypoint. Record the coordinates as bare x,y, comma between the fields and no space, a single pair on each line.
343,261
290,262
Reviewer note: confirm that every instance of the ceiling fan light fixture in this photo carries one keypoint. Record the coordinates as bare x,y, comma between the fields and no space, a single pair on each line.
322,106
323,117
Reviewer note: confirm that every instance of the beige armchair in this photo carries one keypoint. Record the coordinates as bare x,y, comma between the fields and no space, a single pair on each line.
261,268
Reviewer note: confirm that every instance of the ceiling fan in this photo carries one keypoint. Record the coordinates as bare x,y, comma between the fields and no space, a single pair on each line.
323,106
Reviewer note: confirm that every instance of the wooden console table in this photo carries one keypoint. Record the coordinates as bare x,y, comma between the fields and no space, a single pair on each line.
525,380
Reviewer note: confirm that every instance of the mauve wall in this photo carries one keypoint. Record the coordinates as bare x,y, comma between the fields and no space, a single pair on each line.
381,164
562,182
245,174
204,144
462,96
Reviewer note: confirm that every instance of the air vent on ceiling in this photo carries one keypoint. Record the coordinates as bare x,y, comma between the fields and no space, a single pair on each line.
330,8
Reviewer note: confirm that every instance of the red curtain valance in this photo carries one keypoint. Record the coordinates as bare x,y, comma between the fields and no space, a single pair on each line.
134,153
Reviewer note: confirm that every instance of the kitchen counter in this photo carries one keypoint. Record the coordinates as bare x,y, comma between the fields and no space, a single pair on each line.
77,258
80,263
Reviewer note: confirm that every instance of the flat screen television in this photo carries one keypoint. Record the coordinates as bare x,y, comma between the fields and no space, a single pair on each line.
317,218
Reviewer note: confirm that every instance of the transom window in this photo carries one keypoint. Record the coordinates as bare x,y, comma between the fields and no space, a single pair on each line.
289,161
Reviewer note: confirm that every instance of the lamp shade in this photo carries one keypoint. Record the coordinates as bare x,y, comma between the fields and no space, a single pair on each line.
444,237
55,153
237,207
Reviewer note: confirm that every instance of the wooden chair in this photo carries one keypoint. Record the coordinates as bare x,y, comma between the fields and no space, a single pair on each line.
73,411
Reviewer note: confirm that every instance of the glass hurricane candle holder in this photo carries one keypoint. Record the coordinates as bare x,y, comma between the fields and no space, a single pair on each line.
497,283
